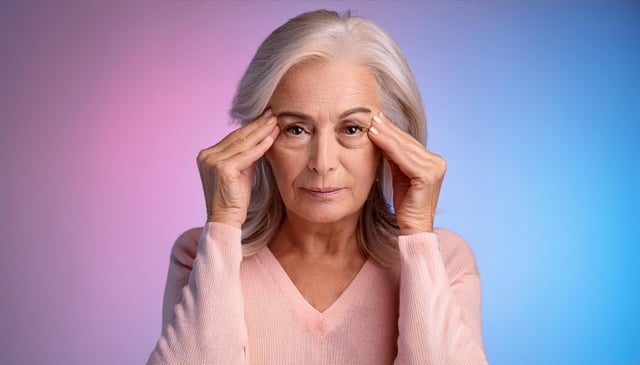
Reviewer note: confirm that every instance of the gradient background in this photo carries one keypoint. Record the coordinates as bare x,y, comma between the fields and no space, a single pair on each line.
104,106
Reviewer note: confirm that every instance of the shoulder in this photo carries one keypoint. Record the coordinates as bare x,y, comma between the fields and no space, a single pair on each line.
456,253
185,248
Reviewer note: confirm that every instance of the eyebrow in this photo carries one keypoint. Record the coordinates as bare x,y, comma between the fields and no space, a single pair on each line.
307,117
354,111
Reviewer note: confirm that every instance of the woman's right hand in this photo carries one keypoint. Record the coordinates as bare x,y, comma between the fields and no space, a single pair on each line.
226,169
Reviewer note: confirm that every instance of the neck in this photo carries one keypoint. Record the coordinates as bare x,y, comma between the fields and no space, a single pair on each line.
302,238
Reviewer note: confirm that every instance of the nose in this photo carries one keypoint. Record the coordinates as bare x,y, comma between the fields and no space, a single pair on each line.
323,154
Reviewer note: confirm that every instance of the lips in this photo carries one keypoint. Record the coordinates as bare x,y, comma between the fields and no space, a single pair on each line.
323,192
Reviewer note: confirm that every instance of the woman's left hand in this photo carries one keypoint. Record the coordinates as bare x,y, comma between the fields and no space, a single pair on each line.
417,175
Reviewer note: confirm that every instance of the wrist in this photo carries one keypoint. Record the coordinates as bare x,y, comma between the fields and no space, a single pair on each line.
409,230
416,224
227,219
412,222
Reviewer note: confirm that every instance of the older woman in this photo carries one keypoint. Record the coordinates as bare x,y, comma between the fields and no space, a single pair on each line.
301,260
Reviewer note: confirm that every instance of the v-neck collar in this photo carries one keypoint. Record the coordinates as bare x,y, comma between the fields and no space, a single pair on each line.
319,323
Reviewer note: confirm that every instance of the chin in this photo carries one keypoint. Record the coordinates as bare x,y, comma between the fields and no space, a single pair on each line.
320,219
324,215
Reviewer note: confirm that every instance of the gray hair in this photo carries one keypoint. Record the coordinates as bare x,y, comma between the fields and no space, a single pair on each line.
329,36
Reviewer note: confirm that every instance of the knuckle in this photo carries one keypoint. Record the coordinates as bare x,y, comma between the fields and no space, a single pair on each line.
205,158
438,161
242,142
237,134
201,157
442,163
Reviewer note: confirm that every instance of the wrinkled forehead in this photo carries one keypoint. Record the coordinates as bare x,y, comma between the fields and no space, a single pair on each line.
316,87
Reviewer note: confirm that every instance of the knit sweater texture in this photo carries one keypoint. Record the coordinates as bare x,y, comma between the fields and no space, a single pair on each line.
221,308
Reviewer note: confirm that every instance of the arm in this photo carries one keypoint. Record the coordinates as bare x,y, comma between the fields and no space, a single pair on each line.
439,286
440,321
203,321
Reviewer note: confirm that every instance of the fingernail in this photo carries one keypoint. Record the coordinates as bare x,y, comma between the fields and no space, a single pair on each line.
374,130
377,119
268,112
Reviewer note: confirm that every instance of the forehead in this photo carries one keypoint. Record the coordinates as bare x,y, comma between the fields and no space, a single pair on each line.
319,86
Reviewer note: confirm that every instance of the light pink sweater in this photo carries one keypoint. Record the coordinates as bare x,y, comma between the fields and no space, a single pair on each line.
222,309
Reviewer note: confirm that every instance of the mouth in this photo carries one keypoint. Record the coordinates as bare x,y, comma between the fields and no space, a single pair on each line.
322,192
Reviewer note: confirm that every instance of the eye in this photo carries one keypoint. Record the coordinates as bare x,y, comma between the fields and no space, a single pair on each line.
353,130
295,130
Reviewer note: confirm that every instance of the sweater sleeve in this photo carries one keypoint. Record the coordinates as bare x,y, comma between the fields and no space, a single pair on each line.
440,317
203,310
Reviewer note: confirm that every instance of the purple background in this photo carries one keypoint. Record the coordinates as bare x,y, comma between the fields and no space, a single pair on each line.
105,105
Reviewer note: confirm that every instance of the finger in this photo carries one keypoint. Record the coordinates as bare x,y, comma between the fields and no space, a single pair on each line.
250,134
251,155
386,135
239,164
246,158
264,119
241,139
410,156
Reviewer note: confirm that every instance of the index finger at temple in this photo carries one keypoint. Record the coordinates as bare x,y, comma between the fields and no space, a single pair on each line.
247,136
391,139
408,154
254,127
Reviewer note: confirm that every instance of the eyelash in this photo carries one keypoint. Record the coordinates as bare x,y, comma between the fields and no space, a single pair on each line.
289,129
358,128
354,127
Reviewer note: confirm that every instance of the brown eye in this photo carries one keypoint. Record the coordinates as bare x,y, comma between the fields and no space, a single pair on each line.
353,130
295,130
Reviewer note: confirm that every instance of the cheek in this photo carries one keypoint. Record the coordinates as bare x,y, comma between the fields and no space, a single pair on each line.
373,158
365,164
377,162
285,164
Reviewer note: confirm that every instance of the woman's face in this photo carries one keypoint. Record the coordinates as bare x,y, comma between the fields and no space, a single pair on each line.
323,160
